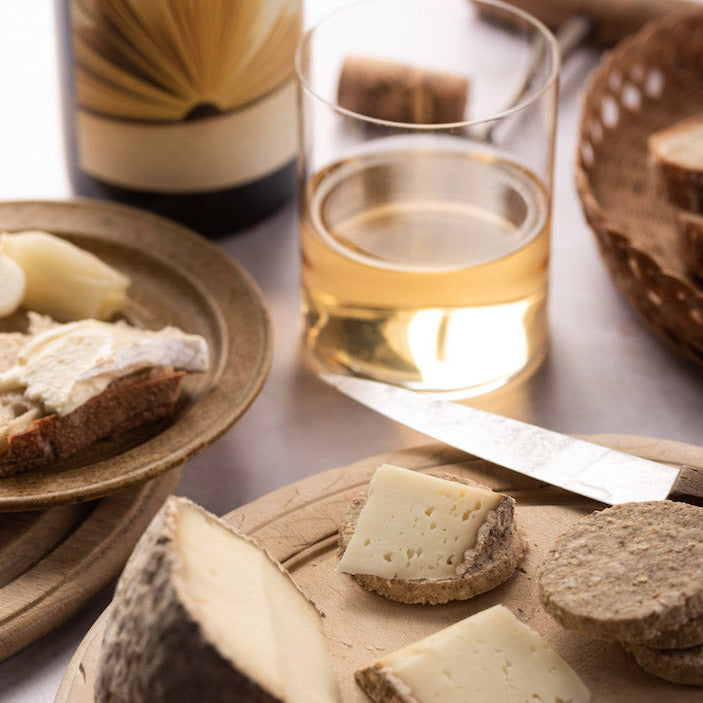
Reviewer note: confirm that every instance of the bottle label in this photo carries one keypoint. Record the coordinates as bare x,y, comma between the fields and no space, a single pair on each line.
206,154
184,97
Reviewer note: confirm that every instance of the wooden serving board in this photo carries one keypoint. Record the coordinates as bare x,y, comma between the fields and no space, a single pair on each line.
52,562
298,524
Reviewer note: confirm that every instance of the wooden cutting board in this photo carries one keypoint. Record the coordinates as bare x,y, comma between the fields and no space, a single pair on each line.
298,524
53,561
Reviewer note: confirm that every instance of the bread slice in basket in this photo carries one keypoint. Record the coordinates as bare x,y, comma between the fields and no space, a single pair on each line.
55,402
690,227
677,155
429,538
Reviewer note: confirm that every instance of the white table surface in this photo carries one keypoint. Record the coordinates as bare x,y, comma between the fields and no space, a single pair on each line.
606,371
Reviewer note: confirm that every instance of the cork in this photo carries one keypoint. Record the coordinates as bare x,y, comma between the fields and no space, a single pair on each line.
399,92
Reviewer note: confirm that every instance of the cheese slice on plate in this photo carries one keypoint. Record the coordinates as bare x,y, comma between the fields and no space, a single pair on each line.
415,526
490,657
202,613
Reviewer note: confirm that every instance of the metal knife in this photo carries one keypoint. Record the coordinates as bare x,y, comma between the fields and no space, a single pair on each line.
574,464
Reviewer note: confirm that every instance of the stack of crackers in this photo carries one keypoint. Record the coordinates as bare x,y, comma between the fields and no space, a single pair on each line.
634,574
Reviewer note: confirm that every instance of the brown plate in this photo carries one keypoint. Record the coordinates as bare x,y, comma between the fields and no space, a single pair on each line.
647,83
178,278
298,524
52,562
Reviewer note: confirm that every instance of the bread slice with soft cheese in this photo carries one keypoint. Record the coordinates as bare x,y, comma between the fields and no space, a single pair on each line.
425,538
490,657
64,387
677,156
202,613
16,411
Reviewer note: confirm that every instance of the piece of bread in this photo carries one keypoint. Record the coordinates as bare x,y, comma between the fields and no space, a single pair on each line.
630,573
675,665
498,551
127,403
677,157
203,613
690,229
31,437
16,415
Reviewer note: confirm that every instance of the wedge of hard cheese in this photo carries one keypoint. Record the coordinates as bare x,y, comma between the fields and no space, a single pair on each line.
490,657
201,613
419,538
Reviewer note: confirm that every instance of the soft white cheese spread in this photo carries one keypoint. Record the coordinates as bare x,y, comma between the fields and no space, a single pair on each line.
69,364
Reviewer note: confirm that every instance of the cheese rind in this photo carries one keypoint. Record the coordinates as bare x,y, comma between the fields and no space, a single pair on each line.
490,657
415,526
202,613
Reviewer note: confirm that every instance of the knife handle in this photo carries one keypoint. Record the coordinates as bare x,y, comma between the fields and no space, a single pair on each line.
688,487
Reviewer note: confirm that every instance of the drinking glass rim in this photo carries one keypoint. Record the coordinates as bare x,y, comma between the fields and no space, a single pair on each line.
521,105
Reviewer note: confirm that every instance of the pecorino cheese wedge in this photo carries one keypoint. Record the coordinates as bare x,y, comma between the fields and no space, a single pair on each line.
201,613
490,657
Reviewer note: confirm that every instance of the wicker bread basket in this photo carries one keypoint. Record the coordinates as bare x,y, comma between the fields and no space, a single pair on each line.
648,82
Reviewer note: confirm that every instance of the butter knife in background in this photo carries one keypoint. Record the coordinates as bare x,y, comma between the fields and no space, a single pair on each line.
609,20
575,22
573,464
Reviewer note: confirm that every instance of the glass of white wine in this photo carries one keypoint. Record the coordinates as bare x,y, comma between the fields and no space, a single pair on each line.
427,139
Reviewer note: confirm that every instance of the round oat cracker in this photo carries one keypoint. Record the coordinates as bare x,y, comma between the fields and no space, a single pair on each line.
630,573
675,665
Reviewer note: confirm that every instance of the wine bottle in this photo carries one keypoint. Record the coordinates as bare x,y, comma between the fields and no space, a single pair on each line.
183,107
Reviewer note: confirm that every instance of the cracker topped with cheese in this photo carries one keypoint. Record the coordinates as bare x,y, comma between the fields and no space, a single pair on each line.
422,538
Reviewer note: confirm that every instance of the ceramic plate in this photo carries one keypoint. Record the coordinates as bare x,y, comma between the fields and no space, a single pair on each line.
178,278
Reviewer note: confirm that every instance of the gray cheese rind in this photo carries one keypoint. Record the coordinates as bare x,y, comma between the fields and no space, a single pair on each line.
153,650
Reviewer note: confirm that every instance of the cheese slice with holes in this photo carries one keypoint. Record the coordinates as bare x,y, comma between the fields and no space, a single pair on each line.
202,613
490,657
415,526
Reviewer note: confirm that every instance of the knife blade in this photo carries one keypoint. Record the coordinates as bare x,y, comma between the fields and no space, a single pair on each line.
574,464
